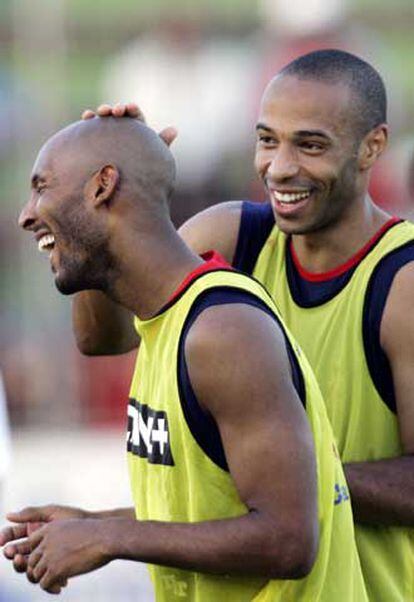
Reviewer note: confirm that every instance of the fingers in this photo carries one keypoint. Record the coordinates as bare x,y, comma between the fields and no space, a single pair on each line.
133,110
104,110
118,110
55,589
168,134
30,514
34,560
50,582
20,563
11,550
88,114
129,109
12,533
32,527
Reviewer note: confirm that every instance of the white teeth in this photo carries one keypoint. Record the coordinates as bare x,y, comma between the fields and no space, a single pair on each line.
287,197
48,240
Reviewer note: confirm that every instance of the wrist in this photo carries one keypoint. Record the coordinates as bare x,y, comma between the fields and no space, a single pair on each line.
114,513
115,535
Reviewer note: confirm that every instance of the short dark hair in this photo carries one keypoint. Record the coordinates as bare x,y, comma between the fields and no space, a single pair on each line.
333,66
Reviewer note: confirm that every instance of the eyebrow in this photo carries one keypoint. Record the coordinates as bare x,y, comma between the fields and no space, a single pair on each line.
299,133
310,133
262,126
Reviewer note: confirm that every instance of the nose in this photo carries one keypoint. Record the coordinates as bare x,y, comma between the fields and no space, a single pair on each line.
283,165
27,217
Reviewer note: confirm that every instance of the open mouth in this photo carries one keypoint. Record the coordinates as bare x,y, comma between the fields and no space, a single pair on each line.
287,203
46,243
287,198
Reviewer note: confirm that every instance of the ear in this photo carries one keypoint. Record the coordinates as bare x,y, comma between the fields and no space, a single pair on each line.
372,146
102,186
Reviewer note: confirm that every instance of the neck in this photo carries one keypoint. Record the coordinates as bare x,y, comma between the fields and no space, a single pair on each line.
149,275
326,249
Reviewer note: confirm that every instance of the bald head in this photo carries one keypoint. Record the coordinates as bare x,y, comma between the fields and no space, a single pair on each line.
145,164
99,188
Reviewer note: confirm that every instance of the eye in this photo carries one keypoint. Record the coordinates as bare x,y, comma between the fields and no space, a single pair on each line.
266,140
312,146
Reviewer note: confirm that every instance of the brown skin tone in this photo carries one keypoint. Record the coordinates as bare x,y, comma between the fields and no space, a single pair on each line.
308,142
310,145
274,471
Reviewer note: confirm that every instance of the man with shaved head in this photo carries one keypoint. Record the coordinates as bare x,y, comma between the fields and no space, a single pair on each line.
238,491
341,271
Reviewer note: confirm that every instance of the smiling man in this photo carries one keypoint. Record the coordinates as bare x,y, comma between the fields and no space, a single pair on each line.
342,274
238,489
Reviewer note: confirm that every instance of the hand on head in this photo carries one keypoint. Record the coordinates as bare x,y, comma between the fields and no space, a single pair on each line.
130,109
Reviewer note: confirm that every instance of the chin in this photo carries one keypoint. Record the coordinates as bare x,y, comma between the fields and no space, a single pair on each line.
66,287
69,284
289,228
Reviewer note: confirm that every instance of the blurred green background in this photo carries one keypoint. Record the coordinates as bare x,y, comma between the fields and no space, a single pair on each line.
199,65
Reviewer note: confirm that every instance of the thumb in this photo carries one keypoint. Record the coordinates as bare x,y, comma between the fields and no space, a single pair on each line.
34,526
168,135
30,515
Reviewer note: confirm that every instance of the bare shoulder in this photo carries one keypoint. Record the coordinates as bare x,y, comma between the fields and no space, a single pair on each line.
398,317
397,335
216,227
244,350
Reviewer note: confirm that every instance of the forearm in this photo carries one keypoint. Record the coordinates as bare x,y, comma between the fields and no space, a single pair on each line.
101,326
382,491
243,545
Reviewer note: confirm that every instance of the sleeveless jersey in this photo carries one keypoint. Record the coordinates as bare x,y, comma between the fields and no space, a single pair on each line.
178,468
336,319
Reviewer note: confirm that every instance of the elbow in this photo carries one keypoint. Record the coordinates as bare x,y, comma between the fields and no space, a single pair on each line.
94,344
87,345
294,553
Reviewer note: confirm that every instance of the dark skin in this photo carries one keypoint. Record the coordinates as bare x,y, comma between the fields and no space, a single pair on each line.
274,471
306,139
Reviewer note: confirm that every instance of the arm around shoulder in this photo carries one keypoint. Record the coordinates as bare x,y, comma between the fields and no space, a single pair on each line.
101,326
216,228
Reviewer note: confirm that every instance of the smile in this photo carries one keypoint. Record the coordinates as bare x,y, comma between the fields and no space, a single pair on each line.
46,243
290,197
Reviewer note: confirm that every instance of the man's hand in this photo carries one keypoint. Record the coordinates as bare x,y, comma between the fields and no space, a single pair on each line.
28,521
130,109
119,110
66,548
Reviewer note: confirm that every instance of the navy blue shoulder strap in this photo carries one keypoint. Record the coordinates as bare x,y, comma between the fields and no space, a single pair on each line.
201,424
374,303
256,223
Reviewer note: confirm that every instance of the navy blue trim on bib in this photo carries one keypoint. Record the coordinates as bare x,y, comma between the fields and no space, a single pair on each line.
374,303
306,293
311,294
256,223
201,424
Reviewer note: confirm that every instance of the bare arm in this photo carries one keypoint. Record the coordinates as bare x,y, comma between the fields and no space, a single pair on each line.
103,327
31,518
383,491
216,227
269,449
